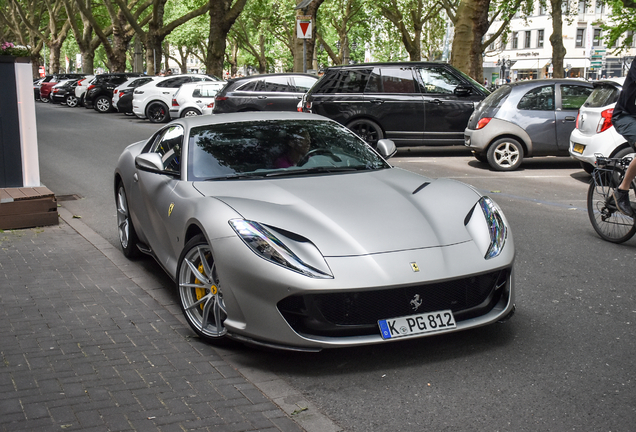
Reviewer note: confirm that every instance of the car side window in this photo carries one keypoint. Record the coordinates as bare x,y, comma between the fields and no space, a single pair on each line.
250,86
169,145
538,99
174,82
573,96
391,80
303,84
276,84
344,81
438,80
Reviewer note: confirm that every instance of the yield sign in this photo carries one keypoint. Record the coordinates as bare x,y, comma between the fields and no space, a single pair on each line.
303,27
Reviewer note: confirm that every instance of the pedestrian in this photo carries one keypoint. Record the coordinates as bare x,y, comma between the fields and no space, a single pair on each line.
624,120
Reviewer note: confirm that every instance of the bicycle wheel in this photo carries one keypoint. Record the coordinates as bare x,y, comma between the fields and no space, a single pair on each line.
608,222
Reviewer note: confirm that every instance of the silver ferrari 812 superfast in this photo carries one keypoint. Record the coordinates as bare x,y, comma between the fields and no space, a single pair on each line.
287,230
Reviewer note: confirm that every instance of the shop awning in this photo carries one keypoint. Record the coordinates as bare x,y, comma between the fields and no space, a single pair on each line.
576,63
530,64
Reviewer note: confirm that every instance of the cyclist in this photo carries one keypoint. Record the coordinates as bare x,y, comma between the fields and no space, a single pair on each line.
624,120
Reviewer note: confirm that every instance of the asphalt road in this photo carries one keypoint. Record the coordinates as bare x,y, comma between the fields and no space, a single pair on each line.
564,362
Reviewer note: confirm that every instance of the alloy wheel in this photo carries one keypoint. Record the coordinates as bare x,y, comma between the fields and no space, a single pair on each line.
200,292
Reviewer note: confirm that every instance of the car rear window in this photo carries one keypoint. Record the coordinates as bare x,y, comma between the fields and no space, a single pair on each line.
495,99
344,81
602,95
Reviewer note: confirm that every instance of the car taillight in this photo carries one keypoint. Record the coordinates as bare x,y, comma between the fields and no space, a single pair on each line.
606,120
483,122
220,98
174,102
81,81
307,107
576,125
211,105
90,87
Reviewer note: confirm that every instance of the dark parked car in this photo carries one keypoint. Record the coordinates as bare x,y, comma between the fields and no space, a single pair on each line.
99,94
271,92
65,93
45,87
411,103
37,83
525,119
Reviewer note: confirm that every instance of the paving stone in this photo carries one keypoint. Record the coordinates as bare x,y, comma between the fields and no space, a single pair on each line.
85,348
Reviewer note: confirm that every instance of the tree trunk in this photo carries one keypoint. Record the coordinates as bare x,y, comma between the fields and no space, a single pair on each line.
311,11
556,39
471,26
222,17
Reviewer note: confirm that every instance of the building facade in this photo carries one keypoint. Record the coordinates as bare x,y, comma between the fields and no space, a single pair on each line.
527,54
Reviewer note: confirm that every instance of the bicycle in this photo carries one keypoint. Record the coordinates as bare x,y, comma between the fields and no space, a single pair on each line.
609,223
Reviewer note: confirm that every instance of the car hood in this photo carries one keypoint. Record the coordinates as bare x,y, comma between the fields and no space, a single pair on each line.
356,213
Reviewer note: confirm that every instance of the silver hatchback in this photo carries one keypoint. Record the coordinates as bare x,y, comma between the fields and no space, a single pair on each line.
525,119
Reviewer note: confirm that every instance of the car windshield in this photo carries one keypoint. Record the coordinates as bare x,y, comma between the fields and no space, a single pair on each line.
259,149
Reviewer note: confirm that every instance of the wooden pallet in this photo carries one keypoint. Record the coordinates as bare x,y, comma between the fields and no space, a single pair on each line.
27,207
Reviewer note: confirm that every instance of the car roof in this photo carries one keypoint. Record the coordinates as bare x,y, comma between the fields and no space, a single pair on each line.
239,117
544,81
261,76
402,64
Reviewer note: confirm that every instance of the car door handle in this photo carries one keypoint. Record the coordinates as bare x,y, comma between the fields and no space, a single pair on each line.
569,118
166,92
262,97
198,101
377,101
435,101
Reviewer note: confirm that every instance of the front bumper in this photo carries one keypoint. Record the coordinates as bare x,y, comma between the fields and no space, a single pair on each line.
269,305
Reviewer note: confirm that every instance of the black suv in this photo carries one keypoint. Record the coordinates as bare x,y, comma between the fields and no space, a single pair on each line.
411,103
99,94
270,92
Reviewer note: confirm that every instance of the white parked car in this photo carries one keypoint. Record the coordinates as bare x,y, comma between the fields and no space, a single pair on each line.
194,99
594,133
129,86
152,100
82,86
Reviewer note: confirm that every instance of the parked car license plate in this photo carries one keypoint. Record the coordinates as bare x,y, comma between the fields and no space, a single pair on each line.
578,148
416,324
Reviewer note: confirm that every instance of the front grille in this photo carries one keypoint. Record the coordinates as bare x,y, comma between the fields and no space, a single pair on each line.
357,313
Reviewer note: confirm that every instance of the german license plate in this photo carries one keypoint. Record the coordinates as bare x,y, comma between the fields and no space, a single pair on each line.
578,148
416,324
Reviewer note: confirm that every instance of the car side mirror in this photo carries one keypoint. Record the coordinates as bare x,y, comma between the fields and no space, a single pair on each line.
149,162
386,148
463,90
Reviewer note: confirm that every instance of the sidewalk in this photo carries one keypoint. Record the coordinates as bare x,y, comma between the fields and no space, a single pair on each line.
88,343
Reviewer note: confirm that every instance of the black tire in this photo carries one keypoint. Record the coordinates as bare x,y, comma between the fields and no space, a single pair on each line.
127,234
624,152
481,157
368,130
505,154
157,112
610,224
71,100
82,99
190,112
588,168
200,293
45,99
103,104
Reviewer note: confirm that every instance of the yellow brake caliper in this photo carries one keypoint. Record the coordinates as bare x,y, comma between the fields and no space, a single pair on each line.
200,292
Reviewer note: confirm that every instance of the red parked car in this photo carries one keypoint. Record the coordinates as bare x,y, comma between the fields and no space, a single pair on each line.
45,88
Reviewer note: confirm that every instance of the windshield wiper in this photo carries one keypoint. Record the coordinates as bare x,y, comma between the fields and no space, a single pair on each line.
236,176
315,170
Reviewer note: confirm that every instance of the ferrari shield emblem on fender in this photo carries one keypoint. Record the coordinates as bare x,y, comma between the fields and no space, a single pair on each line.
415,267
170,209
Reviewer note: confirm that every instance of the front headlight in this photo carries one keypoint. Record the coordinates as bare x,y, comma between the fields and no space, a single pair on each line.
487,227
297,254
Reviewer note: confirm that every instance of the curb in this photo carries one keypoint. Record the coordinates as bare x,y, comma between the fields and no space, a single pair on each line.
290,400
